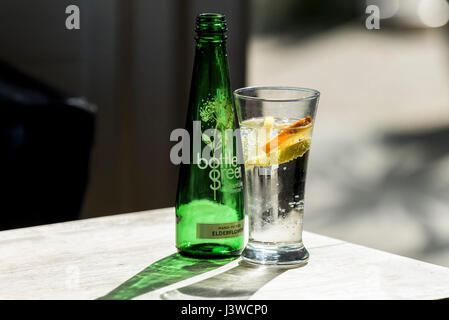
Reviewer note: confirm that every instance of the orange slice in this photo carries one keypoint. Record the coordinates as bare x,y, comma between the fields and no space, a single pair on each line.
287,133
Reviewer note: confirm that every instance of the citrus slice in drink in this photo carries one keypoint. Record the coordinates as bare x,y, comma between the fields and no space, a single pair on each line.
299,128
287,151
292,149
292,142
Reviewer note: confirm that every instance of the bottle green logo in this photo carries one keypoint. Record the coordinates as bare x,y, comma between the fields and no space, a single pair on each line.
214,150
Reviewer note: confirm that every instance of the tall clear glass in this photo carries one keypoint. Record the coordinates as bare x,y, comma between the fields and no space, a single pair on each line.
276,126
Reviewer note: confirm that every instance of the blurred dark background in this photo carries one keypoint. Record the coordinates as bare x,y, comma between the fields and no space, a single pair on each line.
133,60
379,169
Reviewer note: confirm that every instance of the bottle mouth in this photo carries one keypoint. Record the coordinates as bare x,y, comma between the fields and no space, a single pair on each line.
210,23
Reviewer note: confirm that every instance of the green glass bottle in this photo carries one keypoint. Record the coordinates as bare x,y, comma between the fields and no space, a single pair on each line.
209,202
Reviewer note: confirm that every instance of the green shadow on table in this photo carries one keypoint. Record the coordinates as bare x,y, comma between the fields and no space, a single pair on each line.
167,271
240,282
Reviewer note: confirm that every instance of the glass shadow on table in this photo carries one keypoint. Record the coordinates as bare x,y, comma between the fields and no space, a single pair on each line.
239,282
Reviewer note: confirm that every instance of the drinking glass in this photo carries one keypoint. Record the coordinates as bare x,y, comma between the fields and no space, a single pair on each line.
276,125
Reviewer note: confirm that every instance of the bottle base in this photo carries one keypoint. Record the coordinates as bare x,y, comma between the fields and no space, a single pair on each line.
209,251
286,255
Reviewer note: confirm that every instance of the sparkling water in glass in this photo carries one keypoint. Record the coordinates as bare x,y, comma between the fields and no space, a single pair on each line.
276,126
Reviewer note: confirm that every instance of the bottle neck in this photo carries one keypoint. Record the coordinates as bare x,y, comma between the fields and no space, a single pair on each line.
211,62
211,38
210,86
211,27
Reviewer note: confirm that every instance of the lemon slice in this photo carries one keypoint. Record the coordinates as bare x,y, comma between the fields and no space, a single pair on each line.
290,150
294,143
293,149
